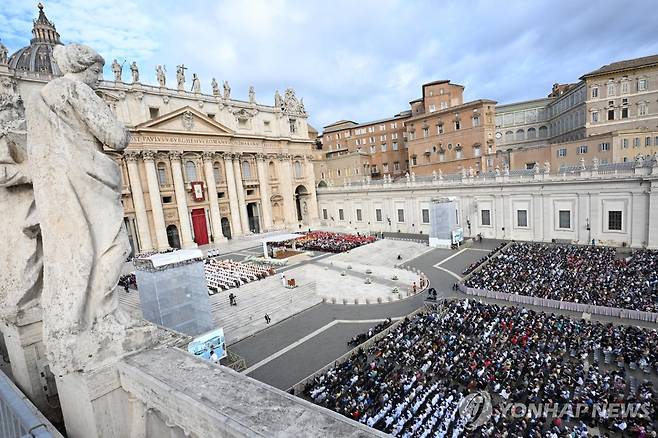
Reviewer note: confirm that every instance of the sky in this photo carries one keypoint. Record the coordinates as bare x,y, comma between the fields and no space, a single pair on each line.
355,60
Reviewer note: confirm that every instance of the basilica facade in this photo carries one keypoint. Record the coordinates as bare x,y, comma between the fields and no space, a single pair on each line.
200,168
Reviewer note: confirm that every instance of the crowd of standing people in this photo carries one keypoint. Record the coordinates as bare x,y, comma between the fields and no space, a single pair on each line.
593,275
411,382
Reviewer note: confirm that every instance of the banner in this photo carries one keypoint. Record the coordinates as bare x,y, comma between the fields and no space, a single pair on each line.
197,191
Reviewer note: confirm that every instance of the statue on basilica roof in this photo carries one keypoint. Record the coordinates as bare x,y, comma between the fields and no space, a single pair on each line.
252,94
278,101
227,90
135,72
292,105
117,69
215,87
3,54
180,76
160,75
196,84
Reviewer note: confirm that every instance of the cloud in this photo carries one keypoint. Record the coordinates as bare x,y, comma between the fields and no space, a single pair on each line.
354,60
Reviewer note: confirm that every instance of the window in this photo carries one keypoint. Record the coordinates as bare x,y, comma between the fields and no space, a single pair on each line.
413,160
642,85
457,125
371,139
394,125
400,215
530,166
562,152
486,217
395,145
611,114
624,143
624,112
292,123
426,132
614,220
246,170
564,219
341,214
595,92
382,127
154,112
636,142
426,215
167,199
611,90
647,141
373,149
582,150
385,167
383,147
378,214
162,174
442,156
297,167
458,153
382,138
439,129
394,136
476,151
432,108
624,87
358,214
595,116
266,125
476,121
604,147
522,218
543,132
532,133
190,170
217,174
396,166
325,215
642,109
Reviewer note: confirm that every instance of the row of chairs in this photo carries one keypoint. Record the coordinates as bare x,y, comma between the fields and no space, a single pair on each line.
222,275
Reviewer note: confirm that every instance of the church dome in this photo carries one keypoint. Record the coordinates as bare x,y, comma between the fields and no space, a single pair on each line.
37,58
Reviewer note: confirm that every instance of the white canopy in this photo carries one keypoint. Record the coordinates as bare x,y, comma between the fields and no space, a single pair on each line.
170,258
282,238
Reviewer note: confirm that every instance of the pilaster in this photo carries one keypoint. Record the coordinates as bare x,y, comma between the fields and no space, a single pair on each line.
232,195
181,200
145,243
156,201
215,216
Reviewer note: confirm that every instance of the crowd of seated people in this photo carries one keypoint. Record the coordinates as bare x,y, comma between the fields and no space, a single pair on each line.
477,263
372,331
410,383
226,274
582,274
332,242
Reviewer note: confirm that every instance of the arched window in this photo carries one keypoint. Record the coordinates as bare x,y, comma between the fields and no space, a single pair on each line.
509,136
246,170
520,134
217,173
477,151
272,170
532,133
162,174
190,170
543,132
297,166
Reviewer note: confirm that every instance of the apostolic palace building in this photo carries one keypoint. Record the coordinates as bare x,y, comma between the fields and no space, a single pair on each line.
200,168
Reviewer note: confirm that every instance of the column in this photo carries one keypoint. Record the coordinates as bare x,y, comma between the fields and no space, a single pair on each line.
652,225
156,201
264,188
286,189
232,195
137,193
181,201
215,216
239,188
313,200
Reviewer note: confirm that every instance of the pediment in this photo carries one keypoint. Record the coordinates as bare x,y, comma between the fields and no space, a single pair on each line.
185,119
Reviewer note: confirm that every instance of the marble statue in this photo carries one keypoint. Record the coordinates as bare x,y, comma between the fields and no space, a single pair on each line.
77,190
582,164
278,101
506,169
227,90
160,75
252,94
407,176
413,176
497,170
547,167
639,161
291,105
196,84
215,87
536,168
20,252
180,77
595,163
135,72
3,54
117,69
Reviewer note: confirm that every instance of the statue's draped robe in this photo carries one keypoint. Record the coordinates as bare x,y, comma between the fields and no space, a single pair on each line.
77,189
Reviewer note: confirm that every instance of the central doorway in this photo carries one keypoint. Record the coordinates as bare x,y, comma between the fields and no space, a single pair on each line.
199,225
254,219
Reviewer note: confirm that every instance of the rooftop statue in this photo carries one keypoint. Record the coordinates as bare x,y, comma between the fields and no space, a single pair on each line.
160,75
180,77
278,101
196,84
135,72
77,190
252,94
3,54
215,87
227,90
117,69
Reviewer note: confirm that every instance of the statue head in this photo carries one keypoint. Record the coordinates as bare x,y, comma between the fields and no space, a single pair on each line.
80,62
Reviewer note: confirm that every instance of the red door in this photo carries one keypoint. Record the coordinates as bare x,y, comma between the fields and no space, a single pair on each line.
199,224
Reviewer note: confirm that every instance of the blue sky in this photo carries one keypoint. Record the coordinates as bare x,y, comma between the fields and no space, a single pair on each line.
358,60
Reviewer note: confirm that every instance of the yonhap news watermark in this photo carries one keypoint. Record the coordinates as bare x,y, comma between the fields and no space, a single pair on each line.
476,409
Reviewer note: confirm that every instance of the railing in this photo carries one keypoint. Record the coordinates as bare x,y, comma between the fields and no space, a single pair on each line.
18,417
623,170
